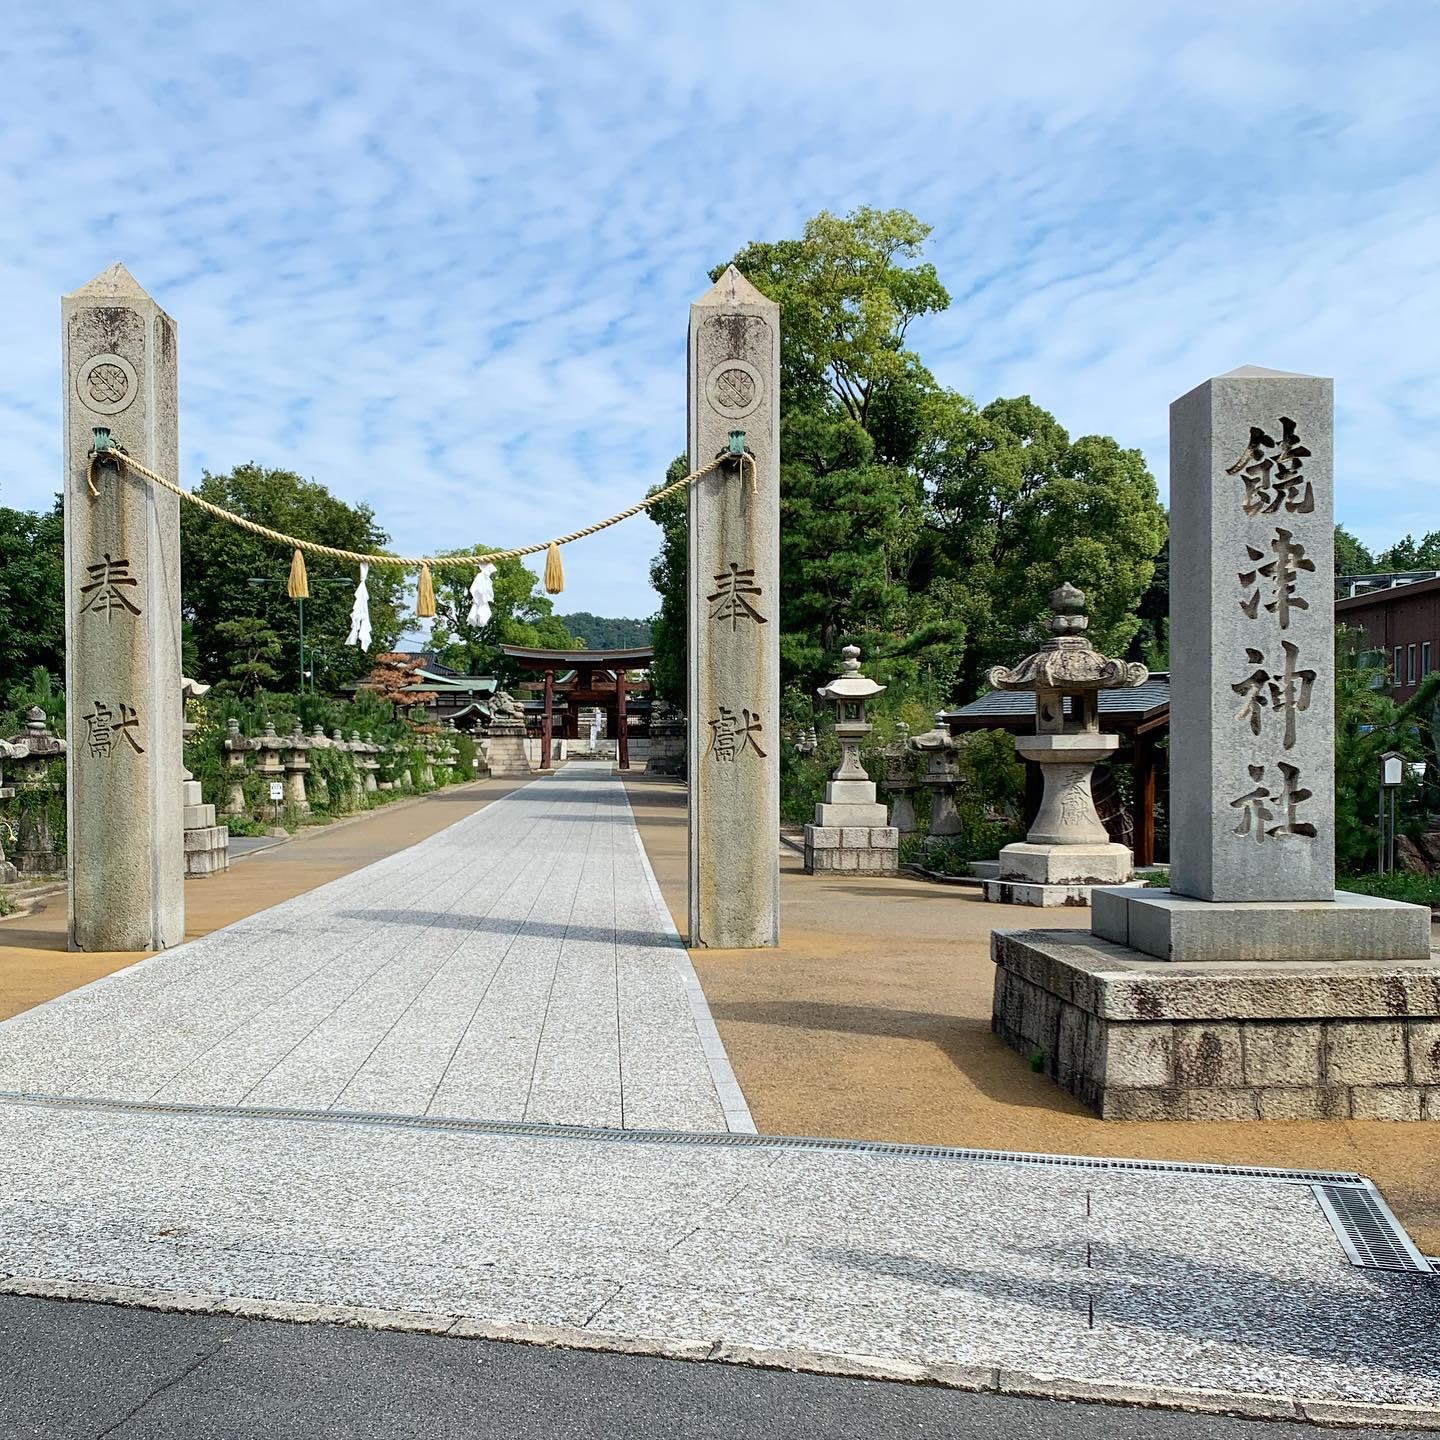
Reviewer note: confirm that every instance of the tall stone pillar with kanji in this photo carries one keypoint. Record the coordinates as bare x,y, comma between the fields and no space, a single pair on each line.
122,621
734,620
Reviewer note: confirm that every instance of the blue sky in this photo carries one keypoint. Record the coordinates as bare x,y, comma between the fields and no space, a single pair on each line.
439,256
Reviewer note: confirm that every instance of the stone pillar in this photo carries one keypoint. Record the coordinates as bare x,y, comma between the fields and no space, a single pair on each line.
1252,739
622,723
734,628
122,622
547,723
357,787
940,776
35,751
317,787
8,873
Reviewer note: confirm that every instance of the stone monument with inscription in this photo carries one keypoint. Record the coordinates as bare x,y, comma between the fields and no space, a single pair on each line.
734,631
1251,988
122,621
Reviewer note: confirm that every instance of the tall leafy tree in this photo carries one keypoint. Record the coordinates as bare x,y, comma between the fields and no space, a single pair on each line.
219,560
32,596
1411,554
925,529
1351,557
1021,508
670,575
519,616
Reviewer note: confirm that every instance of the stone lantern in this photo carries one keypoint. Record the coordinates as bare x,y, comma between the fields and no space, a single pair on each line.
1068,848
852,831
32,753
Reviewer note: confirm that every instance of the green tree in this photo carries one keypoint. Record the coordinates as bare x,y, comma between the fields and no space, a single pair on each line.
1021,508
913,524
1411,554
1351,557
253,649
32,595
218,561
669,574
519,616
846,303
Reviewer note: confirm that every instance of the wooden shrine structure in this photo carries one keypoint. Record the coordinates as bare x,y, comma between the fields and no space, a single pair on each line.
1140,716
572,680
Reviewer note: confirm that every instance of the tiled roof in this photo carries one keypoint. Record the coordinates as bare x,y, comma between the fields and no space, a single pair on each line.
1016,704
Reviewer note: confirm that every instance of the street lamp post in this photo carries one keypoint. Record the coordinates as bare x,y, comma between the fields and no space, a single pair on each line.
300,607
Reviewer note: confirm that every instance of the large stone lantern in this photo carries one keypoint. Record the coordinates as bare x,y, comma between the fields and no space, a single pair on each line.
1068,849
852,830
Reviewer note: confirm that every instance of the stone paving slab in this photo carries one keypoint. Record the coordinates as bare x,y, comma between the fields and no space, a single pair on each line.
1145,1280
519,965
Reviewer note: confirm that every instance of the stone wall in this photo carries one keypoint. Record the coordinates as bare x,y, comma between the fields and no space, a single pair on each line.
1138,1039
853,849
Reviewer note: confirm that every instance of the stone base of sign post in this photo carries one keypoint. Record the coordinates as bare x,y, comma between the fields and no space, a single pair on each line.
1136,1038
1176,927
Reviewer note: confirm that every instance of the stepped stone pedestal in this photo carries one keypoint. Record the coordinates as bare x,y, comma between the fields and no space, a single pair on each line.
207,845
506,738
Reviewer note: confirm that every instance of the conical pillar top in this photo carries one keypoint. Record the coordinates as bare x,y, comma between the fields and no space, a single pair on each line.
116,283
730,290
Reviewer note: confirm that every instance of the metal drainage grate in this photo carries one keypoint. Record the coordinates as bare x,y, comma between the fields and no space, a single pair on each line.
701,1138
1370,1234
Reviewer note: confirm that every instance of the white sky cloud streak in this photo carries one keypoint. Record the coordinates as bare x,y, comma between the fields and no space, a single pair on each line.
440,257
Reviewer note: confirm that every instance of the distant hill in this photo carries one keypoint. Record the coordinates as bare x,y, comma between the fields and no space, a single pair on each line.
600,633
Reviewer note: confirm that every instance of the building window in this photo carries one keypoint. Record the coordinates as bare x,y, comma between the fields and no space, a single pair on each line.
1424,659
1397,675
1410,665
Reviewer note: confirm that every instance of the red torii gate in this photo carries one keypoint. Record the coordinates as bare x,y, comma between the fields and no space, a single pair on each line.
601,677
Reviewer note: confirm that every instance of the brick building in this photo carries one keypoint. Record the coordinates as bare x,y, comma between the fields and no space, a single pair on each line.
1401,621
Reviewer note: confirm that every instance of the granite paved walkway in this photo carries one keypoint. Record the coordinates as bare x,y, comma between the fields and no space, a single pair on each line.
184,1133
518,966
1011,1273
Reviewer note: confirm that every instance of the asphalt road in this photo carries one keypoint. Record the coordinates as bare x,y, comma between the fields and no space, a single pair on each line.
71,1371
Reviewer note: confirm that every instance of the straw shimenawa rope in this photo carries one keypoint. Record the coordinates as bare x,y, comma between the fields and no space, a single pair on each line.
415,562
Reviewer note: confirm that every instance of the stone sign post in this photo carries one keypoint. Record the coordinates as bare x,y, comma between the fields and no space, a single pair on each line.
1251,988
122,623
1252,736
734,625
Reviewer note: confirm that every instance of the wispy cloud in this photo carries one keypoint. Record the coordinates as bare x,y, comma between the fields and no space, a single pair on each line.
441,258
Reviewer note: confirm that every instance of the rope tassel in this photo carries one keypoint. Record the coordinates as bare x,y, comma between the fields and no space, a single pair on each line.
298,586
554,570
425,596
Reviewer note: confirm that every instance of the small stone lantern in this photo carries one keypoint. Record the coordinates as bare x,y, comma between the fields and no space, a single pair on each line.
852,831
1068,848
